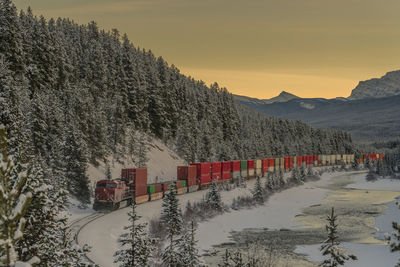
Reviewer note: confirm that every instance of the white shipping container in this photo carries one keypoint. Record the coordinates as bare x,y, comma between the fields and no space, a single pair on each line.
251,173
282,163
236,175
258,164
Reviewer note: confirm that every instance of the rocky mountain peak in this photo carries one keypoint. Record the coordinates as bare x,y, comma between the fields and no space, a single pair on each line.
387,85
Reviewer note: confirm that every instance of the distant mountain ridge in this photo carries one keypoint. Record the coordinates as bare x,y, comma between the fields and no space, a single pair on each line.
387,85
282,97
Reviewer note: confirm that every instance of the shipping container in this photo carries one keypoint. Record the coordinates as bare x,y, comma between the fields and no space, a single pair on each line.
156,196
203,172
291,162
315,160
216,171
264,166
226,170
286,163
181,190
282,163
333,159
151,189
235,168
271,165
243,169
139,189
258,167
250,165
250,168
135,175
142,199
299,161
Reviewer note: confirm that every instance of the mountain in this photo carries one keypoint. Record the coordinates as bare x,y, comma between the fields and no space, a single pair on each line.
387,85
282,97
365,119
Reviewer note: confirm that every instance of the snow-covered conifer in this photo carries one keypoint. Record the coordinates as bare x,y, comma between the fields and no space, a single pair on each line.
213,197
188,247
13,204
258,191
136,245
171,217
335,255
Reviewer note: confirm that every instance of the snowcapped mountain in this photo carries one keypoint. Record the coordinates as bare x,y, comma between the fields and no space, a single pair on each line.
387,85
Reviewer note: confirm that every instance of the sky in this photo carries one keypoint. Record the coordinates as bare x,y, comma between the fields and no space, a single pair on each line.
311,48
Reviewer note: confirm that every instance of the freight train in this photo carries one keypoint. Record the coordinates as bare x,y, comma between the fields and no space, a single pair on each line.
133,182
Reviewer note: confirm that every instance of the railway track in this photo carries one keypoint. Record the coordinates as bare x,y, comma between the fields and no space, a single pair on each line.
77,225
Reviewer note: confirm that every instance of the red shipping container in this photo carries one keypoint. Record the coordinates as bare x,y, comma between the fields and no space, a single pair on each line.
226,170
250,164
235,166
216,170
291,162
286,163
186,172
299,160
140,189
265,165
203,172
165,186
158,188
135,175
271,163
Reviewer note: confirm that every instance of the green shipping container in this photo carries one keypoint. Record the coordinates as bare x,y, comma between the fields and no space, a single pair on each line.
183,183
151,189
243,165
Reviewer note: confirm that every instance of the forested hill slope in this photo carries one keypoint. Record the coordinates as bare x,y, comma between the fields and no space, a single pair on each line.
72,94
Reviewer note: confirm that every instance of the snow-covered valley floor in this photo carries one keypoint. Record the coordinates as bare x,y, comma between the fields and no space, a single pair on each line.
279,212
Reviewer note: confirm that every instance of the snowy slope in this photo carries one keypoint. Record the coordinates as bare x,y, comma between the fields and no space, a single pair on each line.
161,165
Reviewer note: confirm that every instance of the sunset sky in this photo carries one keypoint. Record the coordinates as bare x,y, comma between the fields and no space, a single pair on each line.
312,48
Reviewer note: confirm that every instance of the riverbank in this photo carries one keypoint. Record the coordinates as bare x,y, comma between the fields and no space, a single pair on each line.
304,225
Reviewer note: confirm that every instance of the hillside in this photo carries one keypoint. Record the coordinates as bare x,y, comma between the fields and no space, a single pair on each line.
76,96
387,85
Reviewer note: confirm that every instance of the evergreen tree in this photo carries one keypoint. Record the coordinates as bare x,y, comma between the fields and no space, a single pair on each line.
331,248
75,169
188,248
136,244
108,172
303,174
258,192
310,172
213,197
171,218
13,204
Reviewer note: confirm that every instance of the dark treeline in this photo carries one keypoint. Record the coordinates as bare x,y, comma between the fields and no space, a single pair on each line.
74,94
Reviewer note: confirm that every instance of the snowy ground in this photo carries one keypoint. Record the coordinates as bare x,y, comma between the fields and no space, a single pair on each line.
279,212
